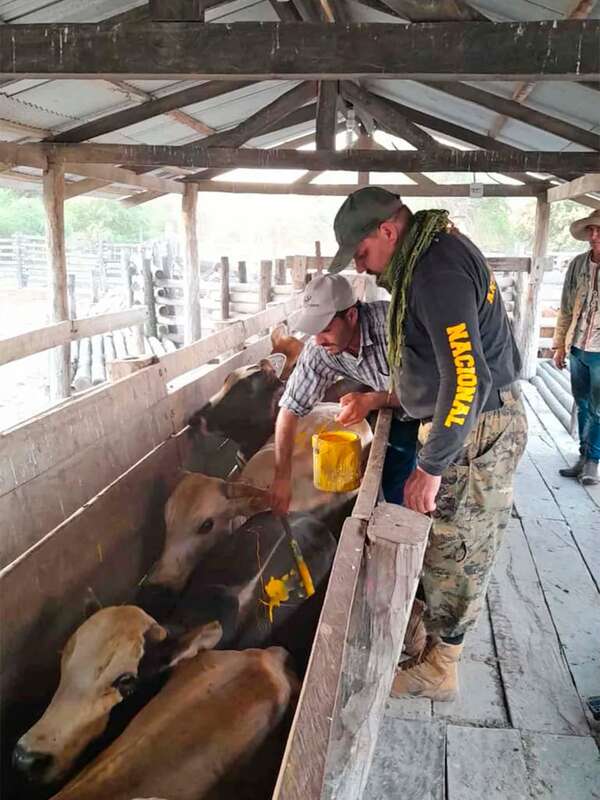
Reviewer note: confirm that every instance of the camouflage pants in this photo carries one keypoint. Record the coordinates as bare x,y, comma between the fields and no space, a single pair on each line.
473,508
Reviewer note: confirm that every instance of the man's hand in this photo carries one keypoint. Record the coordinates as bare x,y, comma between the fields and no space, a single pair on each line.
281,495
560,358
420,491
355,407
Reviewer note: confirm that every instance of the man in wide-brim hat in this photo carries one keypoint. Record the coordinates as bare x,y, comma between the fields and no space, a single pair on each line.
578,334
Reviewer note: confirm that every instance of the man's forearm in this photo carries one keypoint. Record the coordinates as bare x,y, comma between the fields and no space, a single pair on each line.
285,434
383,400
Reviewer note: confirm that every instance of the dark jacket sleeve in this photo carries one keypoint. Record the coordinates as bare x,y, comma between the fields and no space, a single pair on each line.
447,307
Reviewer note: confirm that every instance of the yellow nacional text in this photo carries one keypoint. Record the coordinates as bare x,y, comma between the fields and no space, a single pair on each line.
492,290
466,376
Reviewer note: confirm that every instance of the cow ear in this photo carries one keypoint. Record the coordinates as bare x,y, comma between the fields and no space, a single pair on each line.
274,364
205,637
155,633
235,490
278,333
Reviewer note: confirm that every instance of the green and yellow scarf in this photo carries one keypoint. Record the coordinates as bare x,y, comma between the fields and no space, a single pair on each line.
397,276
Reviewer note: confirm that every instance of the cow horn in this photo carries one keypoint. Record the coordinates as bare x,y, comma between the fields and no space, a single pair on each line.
233,490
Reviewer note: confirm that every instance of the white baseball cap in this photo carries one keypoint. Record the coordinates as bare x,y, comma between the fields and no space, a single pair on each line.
324,296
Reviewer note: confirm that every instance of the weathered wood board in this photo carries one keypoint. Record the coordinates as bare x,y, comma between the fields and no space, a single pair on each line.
485,763
410,761
537,684
562,767
107,546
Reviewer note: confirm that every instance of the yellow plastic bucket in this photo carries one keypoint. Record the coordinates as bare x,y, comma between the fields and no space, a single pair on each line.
336,461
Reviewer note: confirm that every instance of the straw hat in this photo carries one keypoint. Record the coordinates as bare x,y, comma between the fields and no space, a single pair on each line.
578,227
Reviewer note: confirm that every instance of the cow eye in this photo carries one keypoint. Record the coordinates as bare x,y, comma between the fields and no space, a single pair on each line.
126,684
206,526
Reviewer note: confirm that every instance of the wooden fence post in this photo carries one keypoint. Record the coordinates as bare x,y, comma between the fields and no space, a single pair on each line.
71,282
18,250
280,271
53,181
126,275
150,326
299,270
242,272
264,287
319,257
189,205
530,324
224,287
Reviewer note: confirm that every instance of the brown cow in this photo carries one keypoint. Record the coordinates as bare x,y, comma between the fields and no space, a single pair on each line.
215,710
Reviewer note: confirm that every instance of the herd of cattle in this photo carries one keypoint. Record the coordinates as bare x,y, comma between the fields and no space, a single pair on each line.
203,681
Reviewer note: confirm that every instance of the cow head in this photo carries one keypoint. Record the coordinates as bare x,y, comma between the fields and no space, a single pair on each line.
198,513
289,346
104,661
246,407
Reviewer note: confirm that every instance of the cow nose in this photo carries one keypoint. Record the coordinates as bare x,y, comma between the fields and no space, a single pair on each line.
31,763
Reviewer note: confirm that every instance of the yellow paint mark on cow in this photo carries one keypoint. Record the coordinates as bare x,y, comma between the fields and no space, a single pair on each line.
492,290
277,591
466,375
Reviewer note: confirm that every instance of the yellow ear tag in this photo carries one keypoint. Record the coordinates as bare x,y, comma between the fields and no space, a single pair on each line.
277,592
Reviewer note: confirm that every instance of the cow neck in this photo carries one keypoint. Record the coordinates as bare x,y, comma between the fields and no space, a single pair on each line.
258,438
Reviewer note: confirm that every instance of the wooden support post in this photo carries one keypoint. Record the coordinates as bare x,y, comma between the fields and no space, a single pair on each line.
224,287
150,326
126,275
264,286
280,271
242,272
319,257
191,279
54,197
530,328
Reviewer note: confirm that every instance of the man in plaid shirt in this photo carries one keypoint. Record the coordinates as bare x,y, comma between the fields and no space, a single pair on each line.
349,341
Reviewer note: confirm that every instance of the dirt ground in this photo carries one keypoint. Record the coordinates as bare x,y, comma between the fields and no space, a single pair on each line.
23,383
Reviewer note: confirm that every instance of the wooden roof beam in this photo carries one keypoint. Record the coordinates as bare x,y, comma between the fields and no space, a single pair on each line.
328,190
549,50
514,110
387,116
573,190
440,159
152,108
327,115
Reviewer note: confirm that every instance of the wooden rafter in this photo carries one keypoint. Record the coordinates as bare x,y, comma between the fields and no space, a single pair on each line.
387,116
566,50
575,189
152,108
339,190
442,159
522,90
327,115
514,110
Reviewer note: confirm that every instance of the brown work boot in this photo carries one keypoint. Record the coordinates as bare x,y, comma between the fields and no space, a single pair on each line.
589,474
434,674
415,637
574,471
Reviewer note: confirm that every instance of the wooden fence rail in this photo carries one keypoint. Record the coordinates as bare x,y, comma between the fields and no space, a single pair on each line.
26,344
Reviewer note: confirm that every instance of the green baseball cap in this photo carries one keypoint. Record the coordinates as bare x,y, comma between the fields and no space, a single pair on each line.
361,213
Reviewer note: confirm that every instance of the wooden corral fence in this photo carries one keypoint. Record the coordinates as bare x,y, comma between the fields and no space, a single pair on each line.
55,462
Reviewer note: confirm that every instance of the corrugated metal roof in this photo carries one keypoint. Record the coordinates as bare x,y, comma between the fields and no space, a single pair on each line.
54,106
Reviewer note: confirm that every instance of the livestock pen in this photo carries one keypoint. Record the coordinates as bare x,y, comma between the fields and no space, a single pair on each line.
133,100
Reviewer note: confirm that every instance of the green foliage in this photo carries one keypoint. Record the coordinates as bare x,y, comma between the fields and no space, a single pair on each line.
20,213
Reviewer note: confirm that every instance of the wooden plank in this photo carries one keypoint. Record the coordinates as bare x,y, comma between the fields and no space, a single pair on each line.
561,767
481,697
509,264
380,613
537,684
199,155
54,201
202,351
326,115
552,50
57,462
435,10
26,344
303,768
514,110
44,592
485,763
571,594
371,481
574,189
342,190
409,761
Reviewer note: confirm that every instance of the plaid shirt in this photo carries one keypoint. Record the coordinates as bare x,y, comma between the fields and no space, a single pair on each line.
316,369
